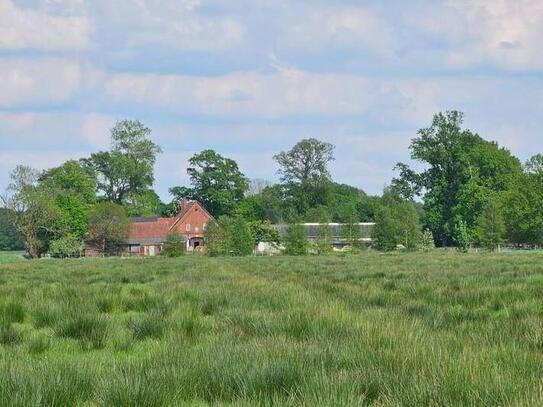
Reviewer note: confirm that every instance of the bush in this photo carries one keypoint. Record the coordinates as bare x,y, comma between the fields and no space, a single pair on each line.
397,224
66,246
296,243
427,241
462,238
175,245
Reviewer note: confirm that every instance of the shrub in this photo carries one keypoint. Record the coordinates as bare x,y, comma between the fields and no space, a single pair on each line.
66,246
296,243
427,241
462,238
175,245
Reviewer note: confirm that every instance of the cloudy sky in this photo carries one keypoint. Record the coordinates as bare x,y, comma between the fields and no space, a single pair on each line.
249,78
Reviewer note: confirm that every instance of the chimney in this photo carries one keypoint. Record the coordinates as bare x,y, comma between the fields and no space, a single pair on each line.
183,204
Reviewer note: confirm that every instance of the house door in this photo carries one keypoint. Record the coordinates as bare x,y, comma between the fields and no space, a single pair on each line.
151,250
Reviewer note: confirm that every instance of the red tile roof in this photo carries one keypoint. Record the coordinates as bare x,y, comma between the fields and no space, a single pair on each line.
157,229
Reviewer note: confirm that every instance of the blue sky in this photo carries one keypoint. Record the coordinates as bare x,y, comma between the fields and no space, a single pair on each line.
250,78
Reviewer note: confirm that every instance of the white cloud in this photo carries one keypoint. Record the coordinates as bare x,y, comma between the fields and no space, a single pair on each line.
288,92
33,29
497,32
350,27
34,81
95,128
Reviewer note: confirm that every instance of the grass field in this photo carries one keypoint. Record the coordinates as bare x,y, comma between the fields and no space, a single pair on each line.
440,329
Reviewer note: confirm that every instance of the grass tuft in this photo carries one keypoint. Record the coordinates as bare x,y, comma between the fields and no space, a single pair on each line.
91,331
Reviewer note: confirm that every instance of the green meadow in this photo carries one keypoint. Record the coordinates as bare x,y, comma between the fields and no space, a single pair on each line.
439,329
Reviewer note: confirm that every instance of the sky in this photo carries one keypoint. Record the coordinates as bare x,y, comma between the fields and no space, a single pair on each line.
250,78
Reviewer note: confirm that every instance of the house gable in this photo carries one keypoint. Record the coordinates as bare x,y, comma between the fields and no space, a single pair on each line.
191,220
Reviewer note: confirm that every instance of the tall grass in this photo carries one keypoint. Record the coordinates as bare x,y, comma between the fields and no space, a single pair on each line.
365,329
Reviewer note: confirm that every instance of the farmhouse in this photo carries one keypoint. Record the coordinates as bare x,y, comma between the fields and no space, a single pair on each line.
148,234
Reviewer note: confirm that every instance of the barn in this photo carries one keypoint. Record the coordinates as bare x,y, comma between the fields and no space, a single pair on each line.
147,235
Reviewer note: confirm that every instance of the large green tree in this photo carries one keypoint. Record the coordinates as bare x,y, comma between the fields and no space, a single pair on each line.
462,171
523,208
127,170
397,224
10,238
72,187
108,227
32,211
216,182
305,174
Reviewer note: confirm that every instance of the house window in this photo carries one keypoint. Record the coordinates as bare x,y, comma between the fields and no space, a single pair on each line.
187,227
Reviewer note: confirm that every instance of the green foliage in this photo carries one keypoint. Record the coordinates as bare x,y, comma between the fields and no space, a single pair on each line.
238,236
73,179
175,245
145,203
463,171
296,243
11,312
91,331
262,231
108,226
427,243
462,238
397,224
215,240
304,173
32,211
10,238
66,246
126,171
73,213
491,228
216,182
148,327
523,207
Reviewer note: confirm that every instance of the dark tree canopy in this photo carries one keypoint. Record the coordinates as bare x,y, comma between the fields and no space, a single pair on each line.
304,171
216,181
463,170
523,208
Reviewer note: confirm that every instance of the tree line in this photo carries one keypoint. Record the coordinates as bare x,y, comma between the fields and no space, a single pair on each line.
470,192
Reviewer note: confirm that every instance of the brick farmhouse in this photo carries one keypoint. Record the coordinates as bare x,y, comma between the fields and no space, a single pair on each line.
148,234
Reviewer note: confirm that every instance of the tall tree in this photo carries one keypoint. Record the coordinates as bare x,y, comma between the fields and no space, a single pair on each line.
126,170
32,212
216,181
71,178
304,171
523,208
397,223
108,226
10,238
491,230
463,170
